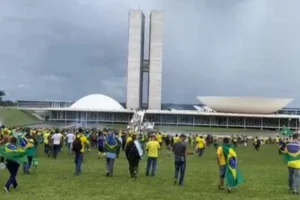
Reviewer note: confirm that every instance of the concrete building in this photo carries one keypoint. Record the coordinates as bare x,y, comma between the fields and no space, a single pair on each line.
138,65
155,60
135,59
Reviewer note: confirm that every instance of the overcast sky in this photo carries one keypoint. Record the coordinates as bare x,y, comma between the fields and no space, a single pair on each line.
66,49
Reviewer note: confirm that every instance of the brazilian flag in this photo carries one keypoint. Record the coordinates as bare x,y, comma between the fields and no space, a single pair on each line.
286,131
293,153
12,152
233,176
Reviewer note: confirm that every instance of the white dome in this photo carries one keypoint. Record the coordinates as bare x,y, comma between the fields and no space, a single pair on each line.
97,102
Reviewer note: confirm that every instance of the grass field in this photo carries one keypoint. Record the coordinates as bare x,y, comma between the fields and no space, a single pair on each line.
265,178
15,117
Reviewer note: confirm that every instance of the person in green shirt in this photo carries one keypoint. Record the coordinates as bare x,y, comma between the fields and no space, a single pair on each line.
31,153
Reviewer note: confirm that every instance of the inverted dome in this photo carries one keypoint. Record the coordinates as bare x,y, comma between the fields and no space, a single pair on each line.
250,105
97,102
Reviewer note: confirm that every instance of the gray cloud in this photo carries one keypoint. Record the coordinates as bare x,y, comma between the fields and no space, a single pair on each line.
53,49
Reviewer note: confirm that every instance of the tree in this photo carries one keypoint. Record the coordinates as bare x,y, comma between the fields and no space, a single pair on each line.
2,94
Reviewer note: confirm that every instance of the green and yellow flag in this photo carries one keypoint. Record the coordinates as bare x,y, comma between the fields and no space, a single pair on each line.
286,131
13,153
233,176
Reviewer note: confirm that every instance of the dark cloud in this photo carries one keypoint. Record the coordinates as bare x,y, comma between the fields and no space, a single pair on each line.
53,49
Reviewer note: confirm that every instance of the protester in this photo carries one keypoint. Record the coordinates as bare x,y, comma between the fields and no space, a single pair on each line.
180,152
70,140
112,150
100,141
56,143
152,148
200,146
133,153
31,153
292,158
78,147
14,156
227,162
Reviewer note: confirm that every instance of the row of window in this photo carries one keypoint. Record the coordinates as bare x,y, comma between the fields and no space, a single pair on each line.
174,119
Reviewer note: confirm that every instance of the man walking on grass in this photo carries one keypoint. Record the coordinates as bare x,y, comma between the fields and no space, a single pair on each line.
180,151
292,158
152,148
228,165
79,145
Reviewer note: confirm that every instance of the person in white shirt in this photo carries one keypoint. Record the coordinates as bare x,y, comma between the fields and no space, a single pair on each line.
70,140
56,143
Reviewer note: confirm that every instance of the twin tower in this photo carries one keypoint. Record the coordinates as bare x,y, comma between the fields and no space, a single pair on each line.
138,64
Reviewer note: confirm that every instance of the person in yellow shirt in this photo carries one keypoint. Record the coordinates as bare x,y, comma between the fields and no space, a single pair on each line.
176,139
46,145
152,148
79,154
200,146
222,163
159,138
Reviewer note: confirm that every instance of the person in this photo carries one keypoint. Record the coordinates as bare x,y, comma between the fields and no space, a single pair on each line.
180,152
4,140
78,147
234,141
45,139
31,153
56,143
256,143
152,148
100,141
12,163
227,163
70,140
292,158
134,154
159,138
222,163
200,146
112,150
141,139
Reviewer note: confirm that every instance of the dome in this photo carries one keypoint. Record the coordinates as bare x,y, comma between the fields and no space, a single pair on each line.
97,102
249,105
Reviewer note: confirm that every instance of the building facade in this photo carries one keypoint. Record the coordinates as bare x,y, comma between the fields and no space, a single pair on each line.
138,65
155,60
178,118
135,59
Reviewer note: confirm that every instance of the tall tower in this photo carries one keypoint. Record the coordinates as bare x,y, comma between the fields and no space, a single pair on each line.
155,60
137,65
135,59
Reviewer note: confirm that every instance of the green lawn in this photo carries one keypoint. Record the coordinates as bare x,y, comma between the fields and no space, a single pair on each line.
15,117
265,178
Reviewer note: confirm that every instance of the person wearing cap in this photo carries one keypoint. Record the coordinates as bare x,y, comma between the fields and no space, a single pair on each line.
152,148
292,158
31,153
180,152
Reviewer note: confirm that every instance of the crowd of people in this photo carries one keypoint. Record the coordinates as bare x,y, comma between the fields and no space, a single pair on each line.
19,146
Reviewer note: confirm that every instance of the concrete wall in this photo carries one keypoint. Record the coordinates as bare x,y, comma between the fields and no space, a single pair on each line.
155,57
135,59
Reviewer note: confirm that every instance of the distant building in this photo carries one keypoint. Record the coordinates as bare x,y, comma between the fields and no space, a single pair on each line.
138,65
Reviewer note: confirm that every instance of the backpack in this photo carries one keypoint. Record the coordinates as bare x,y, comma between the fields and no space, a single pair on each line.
133,152
77,145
